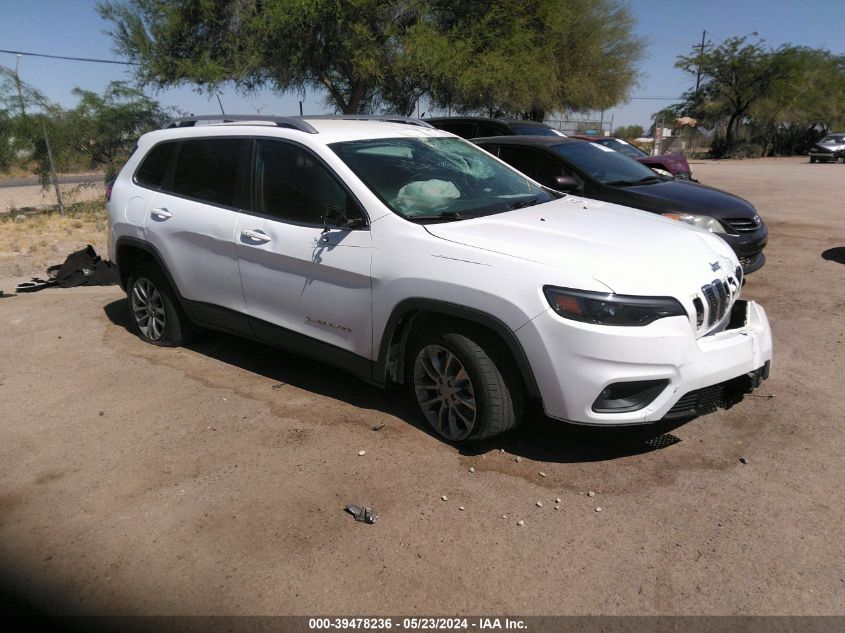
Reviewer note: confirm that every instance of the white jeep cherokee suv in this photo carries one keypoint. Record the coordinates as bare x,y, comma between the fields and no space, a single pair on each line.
404,254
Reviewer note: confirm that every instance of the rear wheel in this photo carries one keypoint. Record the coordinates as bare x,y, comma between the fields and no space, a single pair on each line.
155,311
812,159
460,390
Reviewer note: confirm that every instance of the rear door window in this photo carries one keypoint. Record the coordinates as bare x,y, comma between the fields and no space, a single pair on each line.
490,129
464,129
210,170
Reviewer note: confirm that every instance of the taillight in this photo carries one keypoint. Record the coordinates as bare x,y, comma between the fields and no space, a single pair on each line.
109,187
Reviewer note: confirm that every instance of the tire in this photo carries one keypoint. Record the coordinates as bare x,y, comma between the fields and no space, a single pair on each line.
812,159
149,293
460,390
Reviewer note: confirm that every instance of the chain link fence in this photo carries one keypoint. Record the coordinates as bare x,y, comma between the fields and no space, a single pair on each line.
54,161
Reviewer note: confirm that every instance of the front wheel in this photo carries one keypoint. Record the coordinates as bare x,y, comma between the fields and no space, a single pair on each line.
460,390
812,159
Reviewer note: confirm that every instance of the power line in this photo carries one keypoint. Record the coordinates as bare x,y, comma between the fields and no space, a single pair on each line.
114,61
75,59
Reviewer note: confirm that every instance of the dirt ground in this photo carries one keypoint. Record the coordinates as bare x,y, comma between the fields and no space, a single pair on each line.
212,479
31,243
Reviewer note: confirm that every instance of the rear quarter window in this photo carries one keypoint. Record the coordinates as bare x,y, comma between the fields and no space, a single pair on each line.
153,169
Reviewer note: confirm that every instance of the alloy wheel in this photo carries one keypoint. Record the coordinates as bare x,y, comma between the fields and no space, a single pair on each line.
148,309
444,392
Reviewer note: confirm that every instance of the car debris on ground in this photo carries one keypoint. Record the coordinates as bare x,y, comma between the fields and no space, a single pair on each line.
361,514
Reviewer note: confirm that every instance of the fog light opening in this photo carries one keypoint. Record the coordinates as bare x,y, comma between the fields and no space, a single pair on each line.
622,397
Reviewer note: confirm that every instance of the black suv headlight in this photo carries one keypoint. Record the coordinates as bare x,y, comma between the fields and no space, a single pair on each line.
610,309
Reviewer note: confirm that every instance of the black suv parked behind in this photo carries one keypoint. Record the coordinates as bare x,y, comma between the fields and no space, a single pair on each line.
473,127
594,171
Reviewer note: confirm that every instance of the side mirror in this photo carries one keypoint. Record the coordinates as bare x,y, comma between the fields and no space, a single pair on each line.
337,218
565,183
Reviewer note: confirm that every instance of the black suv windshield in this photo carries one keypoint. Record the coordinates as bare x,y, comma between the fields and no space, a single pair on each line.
605,165
437,179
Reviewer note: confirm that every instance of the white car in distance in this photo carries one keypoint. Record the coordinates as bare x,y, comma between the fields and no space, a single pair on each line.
404,254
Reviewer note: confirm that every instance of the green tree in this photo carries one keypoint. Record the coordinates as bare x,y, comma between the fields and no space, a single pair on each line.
782,97
807,91
629,132
103,127
735,75
370,55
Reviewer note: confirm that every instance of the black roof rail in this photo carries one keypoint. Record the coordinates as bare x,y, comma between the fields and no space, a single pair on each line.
292,122
386,118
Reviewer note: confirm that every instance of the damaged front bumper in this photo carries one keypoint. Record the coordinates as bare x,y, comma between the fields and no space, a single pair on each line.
617,376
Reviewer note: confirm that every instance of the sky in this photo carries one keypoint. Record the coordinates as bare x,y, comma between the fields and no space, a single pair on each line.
73,28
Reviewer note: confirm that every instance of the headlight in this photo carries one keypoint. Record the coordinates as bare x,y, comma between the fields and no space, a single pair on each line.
701,221
610,309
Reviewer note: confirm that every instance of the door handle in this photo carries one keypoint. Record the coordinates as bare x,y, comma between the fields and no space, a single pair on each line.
258,236
162,213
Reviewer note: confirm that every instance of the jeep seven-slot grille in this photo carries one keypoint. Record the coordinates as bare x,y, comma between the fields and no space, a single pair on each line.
742,225
717,295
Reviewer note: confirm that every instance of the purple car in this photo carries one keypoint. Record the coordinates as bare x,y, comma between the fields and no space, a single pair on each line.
675,164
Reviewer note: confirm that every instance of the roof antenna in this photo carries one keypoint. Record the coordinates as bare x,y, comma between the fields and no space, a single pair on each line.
222,111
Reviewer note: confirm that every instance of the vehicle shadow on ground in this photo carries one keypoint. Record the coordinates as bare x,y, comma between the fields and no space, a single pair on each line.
836,254
539,438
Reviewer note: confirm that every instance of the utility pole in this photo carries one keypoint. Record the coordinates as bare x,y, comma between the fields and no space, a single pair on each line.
700,55
18,82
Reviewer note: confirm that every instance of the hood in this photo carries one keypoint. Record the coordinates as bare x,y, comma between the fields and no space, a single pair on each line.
680,195
672,163
627,251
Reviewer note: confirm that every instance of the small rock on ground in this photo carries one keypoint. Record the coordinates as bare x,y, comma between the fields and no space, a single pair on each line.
444,498
520,523
361,453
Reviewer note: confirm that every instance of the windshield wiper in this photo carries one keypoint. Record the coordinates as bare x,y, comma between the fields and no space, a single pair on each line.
523,203
628,183
449,216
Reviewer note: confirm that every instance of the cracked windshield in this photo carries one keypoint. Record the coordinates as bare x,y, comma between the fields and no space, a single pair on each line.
438,179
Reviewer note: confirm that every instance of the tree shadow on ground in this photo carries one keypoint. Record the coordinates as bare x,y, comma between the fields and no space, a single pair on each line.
835,254
539,438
